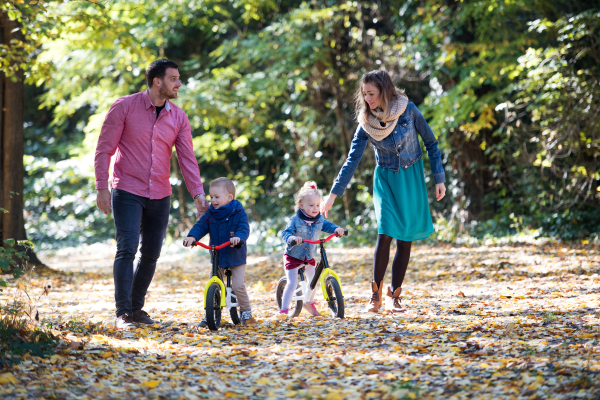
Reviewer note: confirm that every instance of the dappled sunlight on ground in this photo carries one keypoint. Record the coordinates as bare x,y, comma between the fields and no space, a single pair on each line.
512,321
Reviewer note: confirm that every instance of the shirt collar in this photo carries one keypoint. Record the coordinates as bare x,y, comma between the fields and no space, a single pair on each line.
148,102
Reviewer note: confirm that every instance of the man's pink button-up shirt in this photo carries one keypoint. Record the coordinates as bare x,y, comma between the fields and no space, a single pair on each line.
143,146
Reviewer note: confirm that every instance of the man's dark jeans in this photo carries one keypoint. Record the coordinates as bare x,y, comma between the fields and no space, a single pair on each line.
136,217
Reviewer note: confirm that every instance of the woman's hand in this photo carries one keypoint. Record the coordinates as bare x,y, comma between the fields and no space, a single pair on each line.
440,191
327,203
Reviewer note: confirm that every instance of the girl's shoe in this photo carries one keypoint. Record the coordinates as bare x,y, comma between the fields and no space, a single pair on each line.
311,308
283,314
376,297
393,300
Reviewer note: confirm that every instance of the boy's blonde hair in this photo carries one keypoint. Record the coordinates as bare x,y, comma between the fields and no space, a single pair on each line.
310,188
226,183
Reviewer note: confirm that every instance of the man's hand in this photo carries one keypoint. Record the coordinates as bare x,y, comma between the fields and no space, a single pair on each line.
234,240
201,205
339,232
326,205
103,200
440,191
189,241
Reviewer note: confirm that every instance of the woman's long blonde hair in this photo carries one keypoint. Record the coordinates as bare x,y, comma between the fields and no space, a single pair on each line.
308,189
382,81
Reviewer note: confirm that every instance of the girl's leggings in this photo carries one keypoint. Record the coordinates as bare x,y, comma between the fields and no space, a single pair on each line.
292,284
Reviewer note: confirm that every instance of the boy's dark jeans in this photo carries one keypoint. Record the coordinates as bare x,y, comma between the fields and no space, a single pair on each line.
136,217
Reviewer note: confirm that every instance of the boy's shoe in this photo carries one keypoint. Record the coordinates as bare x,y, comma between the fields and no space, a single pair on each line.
283,314
311,308
203,323
142,317
125,322
247,318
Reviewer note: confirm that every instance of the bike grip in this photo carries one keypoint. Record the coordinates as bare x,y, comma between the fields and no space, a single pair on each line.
293,243
345,232
239,245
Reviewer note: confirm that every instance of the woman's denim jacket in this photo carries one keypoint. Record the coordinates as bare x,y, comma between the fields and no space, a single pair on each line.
400,149
297,227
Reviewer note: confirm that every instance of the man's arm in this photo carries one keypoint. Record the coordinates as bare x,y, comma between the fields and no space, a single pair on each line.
110,136
189,166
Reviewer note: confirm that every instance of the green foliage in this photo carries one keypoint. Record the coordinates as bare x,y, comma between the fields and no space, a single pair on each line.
18,337
509,88
12,254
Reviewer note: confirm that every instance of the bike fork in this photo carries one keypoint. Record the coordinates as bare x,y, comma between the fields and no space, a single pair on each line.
230,298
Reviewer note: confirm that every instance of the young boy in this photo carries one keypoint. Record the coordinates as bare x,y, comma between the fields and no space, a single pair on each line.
225,221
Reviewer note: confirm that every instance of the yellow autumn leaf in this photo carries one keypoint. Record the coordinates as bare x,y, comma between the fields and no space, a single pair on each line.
151,384
8,378
107,354
263,381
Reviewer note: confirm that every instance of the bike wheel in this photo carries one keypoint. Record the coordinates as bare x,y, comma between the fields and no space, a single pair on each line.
295,306
336,299
213,307
234,315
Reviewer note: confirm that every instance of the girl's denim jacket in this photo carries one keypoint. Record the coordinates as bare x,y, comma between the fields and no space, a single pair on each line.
297,227
400,149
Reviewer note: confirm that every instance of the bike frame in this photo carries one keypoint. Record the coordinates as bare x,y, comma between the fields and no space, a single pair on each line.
321,273
226,292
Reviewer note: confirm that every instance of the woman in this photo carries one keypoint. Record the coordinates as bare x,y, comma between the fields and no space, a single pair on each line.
391,123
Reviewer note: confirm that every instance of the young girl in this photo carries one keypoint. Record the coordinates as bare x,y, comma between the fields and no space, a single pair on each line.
306,224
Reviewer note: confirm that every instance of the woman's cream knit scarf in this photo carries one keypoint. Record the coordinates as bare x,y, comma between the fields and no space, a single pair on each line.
377,124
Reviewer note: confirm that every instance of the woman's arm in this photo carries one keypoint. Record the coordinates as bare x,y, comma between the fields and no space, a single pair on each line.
435,155
359,143
431,144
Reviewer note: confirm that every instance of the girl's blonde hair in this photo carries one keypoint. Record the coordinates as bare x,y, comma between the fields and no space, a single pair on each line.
308,189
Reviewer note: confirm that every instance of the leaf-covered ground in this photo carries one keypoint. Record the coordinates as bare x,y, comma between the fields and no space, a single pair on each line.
513,321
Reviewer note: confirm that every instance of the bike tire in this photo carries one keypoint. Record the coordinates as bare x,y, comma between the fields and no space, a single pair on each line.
295,306
213,307
235,318
336,299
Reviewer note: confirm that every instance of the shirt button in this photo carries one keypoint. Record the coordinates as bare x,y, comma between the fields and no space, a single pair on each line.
152,140
150,184
150,180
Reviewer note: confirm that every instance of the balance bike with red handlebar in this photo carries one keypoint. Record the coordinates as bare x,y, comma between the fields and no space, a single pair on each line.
218,295
331,285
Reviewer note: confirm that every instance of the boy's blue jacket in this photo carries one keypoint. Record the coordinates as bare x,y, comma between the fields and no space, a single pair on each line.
297,227
218,223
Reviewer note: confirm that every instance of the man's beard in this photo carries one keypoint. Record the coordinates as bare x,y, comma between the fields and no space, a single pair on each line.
165,93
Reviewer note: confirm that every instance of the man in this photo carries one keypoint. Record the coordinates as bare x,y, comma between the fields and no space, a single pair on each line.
142,129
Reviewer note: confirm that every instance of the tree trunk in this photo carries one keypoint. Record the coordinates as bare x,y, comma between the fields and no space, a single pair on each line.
12,92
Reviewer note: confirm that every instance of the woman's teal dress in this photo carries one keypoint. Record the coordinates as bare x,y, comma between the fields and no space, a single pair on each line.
401,203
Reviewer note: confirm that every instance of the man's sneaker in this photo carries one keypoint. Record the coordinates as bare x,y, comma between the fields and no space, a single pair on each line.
247,318
142,317
311,308
125,322
203,323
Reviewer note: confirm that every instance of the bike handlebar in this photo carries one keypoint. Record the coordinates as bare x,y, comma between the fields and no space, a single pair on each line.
219,247
327,239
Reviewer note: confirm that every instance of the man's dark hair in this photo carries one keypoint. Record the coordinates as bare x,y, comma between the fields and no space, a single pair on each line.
158,69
